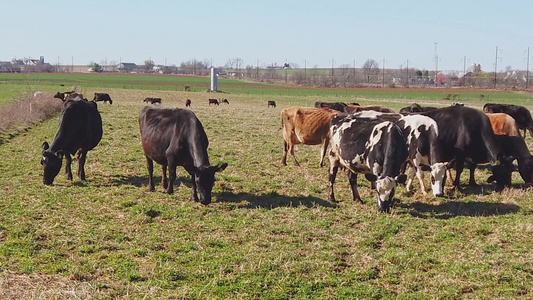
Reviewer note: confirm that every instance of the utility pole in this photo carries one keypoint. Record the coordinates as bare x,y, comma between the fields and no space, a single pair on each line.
464,71
495,67
383,75
436,64
527,69
407,75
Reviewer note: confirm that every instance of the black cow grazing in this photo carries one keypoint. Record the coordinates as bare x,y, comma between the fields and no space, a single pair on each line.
102,97
333,105
72,95
175,137
80,130
224,101
188,103
152,100
372,147
213,101
466,132
516,148
271,103
416,109
421,138
521,115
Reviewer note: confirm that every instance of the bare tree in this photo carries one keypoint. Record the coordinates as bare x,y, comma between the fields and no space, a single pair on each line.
370,69
149,65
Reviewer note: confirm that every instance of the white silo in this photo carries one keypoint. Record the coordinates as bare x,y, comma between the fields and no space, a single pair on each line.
214,82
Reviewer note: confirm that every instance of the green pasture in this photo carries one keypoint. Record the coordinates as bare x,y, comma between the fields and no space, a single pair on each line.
63,82
270,232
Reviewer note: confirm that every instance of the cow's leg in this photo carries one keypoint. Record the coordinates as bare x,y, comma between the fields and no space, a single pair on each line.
323,152
150,167
285,149
194,192
171,178
332,175
82,157
291,151
164,181
68,166
459,166
472,180
352,178
420,176
410,176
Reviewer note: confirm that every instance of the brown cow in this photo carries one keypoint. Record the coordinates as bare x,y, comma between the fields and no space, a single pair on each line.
352,108
308,126
503,124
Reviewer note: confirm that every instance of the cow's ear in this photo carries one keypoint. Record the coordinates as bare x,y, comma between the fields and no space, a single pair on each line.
491,179
45,146
371,177
424,168
450,164
400,179
220,167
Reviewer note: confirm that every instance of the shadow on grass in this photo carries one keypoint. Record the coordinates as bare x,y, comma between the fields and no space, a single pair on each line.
271,200
452,209
140,181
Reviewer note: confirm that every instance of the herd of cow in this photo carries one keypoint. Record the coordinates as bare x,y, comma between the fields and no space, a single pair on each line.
370,140
379,143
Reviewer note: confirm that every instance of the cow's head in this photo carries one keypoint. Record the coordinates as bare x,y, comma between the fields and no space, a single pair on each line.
501,173
385,188
205,179
437,176
525,168
51,161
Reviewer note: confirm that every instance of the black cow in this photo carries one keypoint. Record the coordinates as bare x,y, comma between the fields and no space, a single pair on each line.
175,137
102,97
271,103
466,132
224,101
80,130
213,101
415,109
72,95
516,148
521,115
333,105
369,146
152,100
188,103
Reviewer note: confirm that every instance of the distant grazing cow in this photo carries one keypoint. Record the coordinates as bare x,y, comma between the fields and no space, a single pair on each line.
188,103
271,103
102,97
152,100
175,137
416,108
332,105
367,146
80,130
351,108
308,126
224,101
421,138
503,124
72,95
213,101
521,115
466,132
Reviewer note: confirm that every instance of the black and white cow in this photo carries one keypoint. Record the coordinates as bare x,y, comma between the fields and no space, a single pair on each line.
80,130
175,137
368,146
421,138
466,132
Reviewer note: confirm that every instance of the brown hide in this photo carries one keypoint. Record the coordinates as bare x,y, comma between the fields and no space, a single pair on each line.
308,126
503,124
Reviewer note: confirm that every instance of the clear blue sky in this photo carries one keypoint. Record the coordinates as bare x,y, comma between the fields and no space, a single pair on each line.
309,33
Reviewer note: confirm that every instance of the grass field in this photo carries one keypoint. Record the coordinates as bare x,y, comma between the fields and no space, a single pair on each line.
270,233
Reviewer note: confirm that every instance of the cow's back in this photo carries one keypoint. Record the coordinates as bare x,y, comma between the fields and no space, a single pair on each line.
306,125
503,124
176,131
80,127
